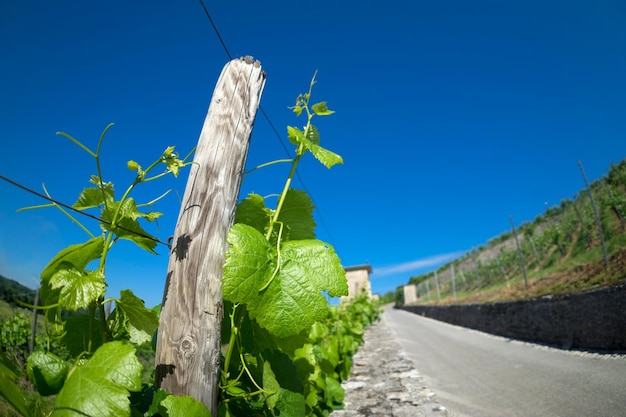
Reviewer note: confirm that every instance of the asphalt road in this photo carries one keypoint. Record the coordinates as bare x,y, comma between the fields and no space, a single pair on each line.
479,375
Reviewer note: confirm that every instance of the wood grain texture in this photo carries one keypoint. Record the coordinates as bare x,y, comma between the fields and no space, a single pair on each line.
188,348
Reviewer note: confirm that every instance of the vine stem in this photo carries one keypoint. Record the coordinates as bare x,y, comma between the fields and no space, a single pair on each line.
92,313
98,166
283,195
139,179
299,152
278,161
243,363
234,330
278,262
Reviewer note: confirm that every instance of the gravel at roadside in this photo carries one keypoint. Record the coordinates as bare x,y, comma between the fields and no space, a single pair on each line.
384,381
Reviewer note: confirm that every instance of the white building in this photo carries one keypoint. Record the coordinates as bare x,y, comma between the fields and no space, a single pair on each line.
358,281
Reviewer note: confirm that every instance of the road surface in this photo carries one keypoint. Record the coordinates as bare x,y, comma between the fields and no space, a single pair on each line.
479,375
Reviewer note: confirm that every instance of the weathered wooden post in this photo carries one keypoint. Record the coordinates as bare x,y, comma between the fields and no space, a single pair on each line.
33,324
519,252
596,215
188,348
477,273
437,286
453,282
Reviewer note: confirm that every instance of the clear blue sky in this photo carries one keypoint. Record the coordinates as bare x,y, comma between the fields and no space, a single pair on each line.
450,115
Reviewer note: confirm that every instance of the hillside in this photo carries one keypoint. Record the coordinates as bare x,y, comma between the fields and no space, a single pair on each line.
11,290
562,251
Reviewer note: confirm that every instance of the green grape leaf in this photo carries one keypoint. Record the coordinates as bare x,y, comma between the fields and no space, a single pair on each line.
78,288
9,390
94,196
135,233
295,135
130,210
100,387
321,109
318,332
293,300
345,367
285,371
297,215
158,396
311,142
76,336
334,390
270,386
243,280
129,228
151,215
312,137
252,211
78,255
311,398
118,325
283,390
12,393
326,157
328,354
305,362
185,406
138,337
140,321
47,371
290,404
236,391
254,338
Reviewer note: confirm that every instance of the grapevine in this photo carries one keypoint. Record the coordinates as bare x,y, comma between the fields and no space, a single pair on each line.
285,349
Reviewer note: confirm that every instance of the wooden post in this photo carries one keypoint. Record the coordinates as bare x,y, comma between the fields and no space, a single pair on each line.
33,324
453,282
477,274
519,252
596,215
188,348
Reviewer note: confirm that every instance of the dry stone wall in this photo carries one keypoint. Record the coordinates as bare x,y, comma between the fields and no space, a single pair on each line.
594,320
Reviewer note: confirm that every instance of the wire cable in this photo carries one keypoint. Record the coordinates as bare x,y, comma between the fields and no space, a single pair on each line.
217,32
74,209
269,121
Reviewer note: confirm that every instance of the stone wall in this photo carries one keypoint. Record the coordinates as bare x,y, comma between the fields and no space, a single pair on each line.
594,320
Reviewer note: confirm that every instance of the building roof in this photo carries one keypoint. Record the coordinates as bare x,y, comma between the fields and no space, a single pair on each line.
367,267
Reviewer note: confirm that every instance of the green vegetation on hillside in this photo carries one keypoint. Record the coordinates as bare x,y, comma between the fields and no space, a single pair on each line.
561,249
13,292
